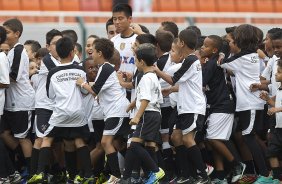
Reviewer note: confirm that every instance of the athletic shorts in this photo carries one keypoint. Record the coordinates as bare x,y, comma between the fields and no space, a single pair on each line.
188,122
249,121
42,117
117,126
274,148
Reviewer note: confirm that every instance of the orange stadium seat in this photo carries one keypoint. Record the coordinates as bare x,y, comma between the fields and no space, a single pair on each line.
70,5
155,5
168,5
245,5
106,5
278,6
207,5
89,5
11,5
30,5
50,5
187,5
226,5
264,6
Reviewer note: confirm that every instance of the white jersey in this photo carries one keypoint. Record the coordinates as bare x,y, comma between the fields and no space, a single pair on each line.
173,96
191,98
97,113
20,94
4,78
124,46
246,68
62,89
149,89
112,96
278,104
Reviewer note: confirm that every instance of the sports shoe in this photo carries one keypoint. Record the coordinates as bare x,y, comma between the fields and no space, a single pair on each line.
78,179
201,180
238,171
218,181
275,181
247,179
112,180
90,180
37,178
15,178
4,181
155,177
209,169
263,180
185,180
101,179
125,181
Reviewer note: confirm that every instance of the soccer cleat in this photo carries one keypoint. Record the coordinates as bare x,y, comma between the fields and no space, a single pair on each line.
78,179
238,172
37,179
276,181
155,177
218,181
101,179
201,180
209,169
4,181
125,181
15,178
112,180
90,180
264,180
247,179
185,180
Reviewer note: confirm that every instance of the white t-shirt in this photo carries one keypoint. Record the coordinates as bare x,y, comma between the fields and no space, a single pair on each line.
68,100
173,96
246,68
149,89
191,98
123,45
112,96
278,103
20,94
4,78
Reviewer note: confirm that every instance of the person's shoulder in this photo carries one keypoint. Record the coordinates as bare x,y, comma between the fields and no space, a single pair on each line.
190,58
116,37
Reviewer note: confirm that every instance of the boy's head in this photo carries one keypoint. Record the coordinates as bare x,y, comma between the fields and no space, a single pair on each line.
144,38
196,29
89,45
268,47
14,29
164,40
122,17
187,38
175,53
31,47
115,60
90,68
277,43
211,47
3,34
71,34
40,54
51,39
33,68
246,37
4,47
78,50
230,39
103,49
278,75
145,55
169,26
65,48
111,29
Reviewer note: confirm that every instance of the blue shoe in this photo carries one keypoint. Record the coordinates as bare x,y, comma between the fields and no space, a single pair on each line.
264,180
155,177
276,181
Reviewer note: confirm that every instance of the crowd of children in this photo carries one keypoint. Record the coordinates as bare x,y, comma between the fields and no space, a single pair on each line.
170,108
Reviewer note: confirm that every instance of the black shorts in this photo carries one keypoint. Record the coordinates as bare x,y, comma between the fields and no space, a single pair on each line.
149,126
166,112
117,126
68,133
172,120
250,121
42,118
274,148
188,122
98,126
18,123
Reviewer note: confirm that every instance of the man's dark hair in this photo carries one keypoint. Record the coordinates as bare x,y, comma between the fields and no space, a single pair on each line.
273,31
3,34
146,38
144,28
147,53
109,22
122,7
246,37
171,27
51,34
164,40
189,37
35,45
79,47
217,42
71,34
277,36
196,29
106,46
41,52
64,47
15,25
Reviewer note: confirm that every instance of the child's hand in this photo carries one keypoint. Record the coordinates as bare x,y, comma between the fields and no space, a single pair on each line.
156,68
136,29
120,76
261,54
79,81
254,87
272,111
166,91
134,121
264,95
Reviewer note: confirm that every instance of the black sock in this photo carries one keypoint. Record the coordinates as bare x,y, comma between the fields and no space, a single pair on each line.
55,168
99,167
181,161
205,155
168,162
20,157
27,163
220,175
277,171
34,161
130,160
113,163
44,159
84,156
123,152
160,159
71,163
194,152
152,153
250,167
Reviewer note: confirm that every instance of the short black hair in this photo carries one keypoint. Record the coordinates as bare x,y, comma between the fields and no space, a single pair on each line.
217,42
93,36
51,34
147,53
35,45
106,46
41,52
200,42
71,34
171,27
279,63
64,47
87,59
144,28
246,37
3,34
109,22
123,7
146,38
274,30
14,24
196,29
79,47
277,36
164,40
189,37
230,30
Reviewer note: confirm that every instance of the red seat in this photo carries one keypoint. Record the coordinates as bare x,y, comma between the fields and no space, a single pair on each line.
106,5
168,5
207,5
187,5
265,6
11,5
50,5
30,5
245,5
226,5
89,5
70,5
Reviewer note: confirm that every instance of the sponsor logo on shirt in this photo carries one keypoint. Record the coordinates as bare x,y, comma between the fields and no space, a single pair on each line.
71,76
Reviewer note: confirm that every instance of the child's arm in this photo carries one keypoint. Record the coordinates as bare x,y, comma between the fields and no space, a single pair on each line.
140,112
258,86
131,106
163,75
274,110
127,85
168,91
80,82
270,101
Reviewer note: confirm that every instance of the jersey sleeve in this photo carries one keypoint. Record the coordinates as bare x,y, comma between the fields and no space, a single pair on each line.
15,68
103,80
182,75
4,70
268,69
145,86
209,71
